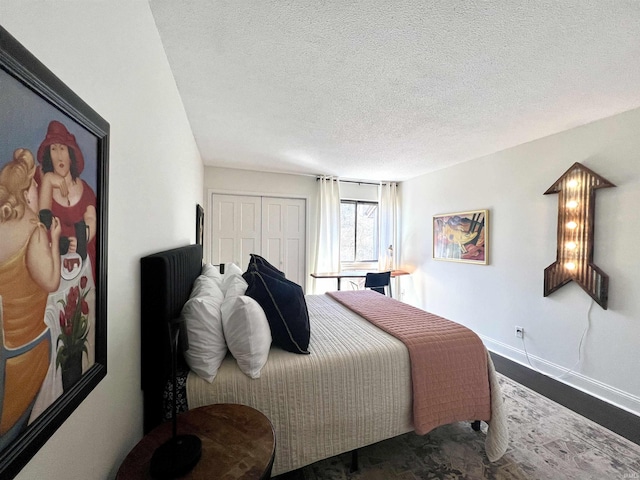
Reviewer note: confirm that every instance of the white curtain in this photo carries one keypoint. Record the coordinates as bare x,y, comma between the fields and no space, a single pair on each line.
388,224
327,257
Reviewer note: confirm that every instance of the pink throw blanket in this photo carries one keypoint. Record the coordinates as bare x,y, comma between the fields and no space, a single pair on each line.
449,369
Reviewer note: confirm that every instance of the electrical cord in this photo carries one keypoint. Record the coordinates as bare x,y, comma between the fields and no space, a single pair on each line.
584,333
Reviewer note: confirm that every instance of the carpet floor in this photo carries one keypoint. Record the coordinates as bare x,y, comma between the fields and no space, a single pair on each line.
547,441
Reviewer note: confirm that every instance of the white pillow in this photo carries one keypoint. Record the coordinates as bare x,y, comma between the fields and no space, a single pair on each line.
231,268
231,273
213,273
234,285
207,346
247,333
204,286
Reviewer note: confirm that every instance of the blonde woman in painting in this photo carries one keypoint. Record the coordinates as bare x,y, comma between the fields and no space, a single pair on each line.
29,271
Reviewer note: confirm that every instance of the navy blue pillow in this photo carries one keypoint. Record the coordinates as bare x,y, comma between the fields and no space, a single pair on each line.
284,305
262,264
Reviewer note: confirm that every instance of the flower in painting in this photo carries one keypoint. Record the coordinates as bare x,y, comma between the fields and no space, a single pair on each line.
74,323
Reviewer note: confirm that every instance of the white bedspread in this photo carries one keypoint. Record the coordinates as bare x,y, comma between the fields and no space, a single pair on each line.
353,390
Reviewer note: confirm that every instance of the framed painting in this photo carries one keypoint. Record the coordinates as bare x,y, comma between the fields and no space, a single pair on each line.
199,224
53,253
462,237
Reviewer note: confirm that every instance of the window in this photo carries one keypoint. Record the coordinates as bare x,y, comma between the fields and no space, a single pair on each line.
358,231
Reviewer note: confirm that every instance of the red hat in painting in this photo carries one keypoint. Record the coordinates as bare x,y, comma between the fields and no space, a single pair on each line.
58,133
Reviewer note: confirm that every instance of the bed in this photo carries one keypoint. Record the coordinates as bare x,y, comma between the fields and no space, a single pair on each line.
355,388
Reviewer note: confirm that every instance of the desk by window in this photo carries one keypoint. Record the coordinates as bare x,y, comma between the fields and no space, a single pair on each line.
353,274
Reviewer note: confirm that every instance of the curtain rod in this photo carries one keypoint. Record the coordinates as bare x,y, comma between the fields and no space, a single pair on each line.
354,181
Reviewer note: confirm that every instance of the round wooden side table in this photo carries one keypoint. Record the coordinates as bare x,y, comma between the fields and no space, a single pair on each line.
238,442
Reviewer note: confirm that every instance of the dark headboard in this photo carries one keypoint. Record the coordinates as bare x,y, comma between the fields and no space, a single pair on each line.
166,281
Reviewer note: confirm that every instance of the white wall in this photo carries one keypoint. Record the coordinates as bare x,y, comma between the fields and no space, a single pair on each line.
109,53
493,299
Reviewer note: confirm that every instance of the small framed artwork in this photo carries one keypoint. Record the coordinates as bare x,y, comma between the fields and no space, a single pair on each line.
199,224
53,253
462,237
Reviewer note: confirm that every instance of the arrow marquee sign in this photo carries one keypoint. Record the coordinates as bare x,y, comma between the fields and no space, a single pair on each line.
576,190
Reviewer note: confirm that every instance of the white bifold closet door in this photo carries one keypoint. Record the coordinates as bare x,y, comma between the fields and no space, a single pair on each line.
272,227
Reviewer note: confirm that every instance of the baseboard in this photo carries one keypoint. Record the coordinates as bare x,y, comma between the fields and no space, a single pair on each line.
622,421
606,393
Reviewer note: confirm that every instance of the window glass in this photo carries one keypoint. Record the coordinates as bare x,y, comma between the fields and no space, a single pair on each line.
358,231
347,231
367,232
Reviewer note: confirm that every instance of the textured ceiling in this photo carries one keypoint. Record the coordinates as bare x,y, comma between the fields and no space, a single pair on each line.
383,90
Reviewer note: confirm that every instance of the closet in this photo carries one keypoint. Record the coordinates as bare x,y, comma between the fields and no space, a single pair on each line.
273,227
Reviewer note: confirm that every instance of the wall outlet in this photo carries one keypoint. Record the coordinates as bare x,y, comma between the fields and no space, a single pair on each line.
520,332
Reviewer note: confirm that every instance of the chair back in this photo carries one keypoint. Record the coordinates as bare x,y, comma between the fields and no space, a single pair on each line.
377,281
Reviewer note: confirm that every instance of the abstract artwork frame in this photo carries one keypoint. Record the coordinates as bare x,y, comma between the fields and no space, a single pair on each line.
54,152
462,237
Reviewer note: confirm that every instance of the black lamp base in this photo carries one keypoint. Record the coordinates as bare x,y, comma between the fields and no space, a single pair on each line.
176,457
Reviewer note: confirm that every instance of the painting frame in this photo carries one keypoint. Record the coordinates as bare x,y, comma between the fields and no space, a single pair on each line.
199,224
38,85
462,237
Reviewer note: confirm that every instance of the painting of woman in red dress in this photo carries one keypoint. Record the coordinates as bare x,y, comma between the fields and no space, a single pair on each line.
65,195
